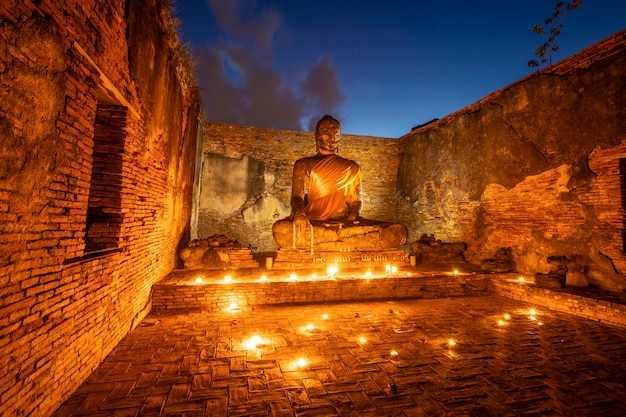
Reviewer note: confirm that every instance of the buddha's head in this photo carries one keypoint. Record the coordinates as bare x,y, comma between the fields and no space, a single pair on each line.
327,135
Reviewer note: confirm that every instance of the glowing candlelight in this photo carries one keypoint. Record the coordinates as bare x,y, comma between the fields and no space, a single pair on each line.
408,274
394,270
263,278
368,274
455,272
310,327
532,312
521,279
253,342
325,316
331,271
501,322
199,280
506,316
362,340
314,276
393,353
228,278
451,343
302,363
293,277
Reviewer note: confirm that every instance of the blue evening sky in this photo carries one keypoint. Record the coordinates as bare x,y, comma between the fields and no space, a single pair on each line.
380,67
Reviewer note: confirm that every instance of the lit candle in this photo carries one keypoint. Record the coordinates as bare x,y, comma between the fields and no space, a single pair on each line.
228,278
331,271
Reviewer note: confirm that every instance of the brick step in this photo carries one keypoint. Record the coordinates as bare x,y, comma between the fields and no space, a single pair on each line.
185,292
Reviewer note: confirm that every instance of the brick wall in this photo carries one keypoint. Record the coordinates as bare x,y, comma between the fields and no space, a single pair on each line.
64,305
537,167
279,149
591,304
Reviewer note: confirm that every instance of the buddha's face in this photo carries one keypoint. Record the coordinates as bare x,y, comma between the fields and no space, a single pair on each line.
327,137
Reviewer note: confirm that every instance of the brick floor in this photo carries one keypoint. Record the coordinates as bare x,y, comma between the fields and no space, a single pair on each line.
199,364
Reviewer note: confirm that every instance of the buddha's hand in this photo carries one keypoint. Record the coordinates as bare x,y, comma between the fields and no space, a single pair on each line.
301,222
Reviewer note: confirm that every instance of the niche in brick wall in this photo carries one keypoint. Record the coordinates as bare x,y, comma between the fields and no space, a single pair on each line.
104,216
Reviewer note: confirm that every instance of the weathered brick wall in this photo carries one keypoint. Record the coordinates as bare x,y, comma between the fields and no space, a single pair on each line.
537,167
277,151
62,309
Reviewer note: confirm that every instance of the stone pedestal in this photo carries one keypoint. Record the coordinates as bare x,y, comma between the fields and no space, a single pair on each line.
295,259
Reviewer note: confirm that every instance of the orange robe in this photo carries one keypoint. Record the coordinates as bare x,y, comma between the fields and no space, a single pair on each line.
332,184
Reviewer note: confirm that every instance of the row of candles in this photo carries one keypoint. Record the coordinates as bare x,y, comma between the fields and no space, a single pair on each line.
331,273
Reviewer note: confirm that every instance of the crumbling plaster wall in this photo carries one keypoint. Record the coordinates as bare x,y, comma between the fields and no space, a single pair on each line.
533,167
246,179
62,309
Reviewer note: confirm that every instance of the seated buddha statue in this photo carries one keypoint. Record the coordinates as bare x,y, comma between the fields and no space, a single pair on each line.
326,202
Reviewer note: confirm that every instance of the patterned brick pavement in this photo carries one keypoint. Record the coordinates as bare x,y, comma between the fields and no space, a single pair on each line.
199,364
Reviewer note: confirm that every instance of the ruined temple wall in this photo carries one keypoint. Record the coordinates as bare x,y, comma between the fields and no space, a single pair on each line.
246,180
63,306
536,166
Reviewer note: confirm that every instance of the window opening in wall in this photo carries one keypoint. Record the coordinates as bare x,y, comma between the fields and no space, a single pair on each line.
104,211
622,182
